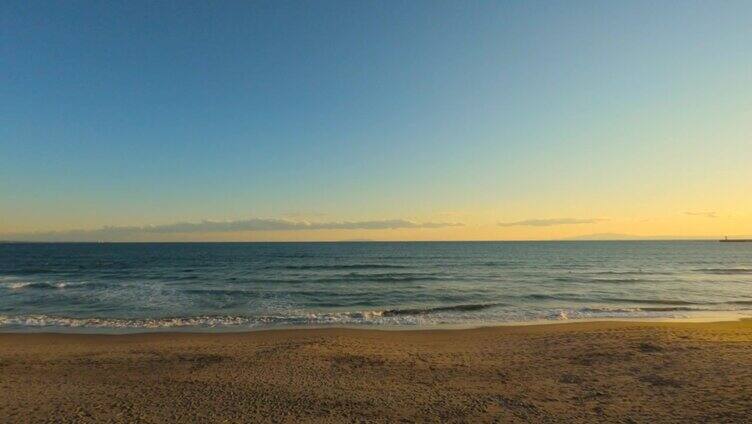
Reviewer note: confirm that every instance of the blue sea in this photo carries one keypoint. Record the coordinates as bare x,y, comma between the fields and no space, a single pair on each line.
115,287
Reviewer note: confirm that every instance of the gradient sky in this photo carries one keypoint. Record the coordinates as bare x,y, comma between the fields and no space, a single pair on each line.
387,120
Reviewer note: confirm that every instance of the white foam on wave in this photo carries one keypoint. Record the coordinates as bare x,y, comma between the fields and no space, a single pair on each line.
559,315
52,321
357,318
310,319
16,283
19,285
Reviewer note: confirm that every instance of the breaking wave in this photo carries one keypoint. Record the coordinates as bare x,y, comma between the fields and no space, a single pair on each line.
657,301
454,308
338,267
19,285
725,271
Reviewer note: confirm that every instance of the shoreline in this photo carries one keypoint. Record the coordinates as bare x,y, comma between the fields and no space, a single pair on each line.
698,317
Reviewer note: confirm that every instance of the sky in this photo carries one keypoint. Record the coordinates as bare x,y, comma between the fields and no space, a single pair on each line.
395,120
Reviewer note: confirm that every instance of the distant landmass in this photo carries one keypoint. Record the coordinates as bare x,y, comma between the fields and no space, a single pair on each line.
618,236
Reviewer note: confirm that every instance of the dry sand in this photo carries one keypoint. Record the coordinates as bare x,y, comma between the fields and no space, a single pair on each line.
583,372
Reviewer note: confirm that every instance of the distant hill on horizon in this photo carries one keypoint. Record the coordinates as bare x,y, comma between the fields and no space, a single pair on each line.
619,236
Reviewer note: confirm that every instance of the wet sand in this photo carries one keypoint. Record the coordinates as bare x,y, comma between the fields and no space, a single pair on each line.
582,372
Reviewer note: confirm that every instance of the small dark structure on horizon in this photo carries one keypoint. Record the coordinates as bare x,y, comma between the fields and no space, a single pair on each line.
727,240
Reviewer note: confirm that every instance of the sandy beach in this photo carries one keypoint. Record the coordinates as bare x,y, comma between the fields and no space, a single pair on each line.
580,372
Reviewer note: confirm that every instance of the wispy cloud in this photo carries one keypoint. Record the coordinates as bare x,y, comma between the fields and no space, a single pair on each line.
550,222
709,214
304,216
207,226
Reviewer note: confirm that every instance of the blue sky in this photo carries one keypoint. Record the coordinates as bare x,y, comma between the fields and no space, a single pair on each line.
623,116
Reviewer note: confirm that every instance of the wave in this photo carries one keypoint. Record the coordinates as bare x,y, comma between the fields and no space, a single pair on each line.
125,323
386,317
19,285
453,308
339,267
643,309
392,317
725,271
561,296
567,279
607,312
621,280
639,272
656,301
208,321
261,294
574,297
352,277
220,292
383,277
671,309
496,264
346,279
585,279
32,271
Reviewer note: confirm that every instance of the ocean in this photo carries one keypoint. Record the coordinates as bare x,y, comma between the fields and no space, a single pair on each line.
117,287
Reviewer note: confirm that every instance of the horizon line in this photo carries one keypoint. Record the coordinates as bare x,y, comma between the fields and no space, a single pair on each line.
358,241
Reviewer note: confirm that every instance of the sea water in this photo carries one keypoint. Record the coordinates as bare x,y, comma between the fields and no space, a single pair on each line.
236,286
